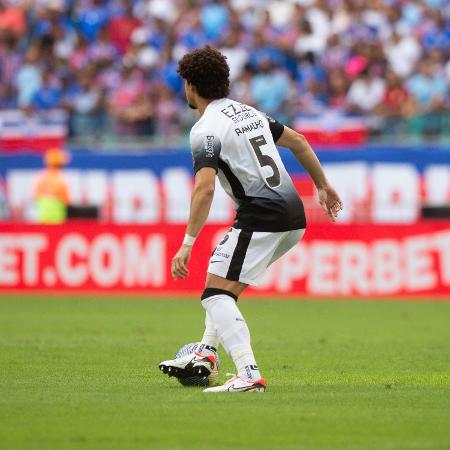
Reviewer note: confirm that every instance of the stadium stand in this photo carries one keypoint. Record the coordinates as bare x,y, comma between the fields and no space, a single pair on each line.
351,69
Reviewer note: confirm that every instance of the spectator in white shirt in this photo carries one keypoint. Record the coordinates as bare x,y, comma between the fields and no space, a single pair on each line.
402,53
365,93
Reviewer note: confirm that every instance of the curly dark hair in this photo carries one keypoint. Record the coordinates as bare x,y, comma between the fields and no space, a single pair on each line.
207,70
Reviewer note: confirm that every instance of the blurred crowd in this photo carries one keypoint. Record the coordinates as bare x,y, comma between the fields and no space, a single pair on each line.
112,64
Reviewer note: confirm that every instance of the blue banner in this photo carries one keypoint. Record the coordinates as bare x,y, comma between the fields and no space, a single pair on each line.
158,161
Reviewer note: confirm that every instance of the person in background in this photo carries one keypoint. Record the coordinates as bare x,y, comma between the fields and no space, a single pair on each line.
12,19
167,114
51,193
365,94
396,105
130,105
91,18
337,89
28,77
429,90
85,103
48,95
270,88
121,27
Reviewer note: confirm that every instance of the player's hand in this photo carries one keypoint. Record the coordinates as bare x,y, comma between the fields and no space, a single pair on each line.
330,202
179,262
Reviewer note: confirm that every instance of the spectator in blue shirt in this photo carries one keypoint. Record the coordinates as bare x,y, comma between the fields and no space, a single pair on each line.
262,51
93,19
49,94
28,78
427,87
215,19
270,89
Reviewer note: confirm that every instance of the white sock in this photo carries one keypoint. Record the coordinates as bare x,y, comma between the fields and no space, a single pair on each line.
233,332
210,339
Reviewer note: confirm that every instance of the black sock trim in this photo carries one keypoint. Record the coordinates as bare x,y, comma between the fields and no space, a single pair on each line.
210,292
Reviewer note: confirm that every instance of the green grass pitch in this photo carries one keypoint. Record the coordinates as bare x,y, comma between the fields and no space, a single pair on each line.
78,373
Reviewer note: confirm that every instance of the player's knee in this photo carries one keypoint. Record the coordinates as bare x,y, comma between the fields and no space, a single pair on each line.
211,292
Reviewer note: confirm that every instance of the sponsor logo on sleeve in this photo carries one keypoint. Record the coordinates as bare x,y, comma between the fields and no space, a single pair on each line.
209,146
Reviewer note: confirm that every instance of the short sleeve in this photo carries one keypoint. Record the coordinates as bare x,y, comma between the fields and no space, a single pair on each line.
205,151
276,128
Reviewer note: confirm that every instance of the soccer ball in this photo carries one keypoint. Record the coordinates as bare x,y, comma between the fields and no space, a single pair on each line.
210,380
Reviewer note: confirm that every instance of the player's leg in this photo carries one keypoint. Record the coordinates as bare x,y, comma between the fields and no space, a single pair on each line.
244,259
201,362
224,283
210,340
229,257
219,300
239,260
290,240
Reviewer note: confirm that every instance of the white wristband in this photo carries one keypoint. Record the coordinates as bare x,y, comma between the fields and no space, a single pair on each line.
188,240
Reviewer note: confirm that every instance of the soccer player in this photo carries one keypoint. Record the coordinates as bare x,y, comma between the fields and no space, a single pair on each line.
237,143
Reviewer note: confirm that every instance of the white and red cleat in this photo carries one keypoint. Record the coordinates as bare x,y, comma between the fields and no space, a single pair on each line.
238,384
190,365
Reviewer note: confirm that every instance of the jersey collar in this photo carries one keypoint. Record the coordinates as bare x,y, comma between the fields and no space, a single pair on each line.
214,104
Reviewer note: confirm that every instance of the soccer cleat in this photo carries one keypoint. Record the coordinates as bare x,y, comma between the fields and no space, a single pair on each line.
238,384
190,365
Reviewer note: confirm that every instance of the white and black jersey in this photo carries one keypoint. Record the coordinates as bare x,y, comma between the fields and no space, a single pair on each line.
239,142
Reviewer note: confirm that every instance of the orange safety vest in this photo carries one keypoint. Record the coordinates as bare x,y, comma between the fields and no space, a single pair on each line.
52,196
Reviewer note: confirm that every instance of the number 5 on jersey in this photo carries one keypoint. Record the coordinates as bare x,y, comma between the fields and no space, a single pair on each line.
265,160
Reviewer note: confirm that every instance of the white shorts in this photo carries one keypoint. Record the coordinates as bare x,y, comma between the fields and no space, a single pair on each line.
245,255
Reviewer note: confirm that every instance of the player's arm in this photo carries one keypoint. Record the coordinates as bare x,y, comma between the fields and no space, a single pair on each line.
297,143
201,199
205,153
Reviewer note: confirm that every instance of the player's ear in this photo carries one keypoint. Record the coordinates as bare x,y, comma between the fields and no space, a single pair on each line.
188,87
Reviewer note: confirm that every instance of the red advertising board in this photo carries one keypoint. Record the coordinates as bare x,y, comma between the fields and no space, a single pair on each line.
332,260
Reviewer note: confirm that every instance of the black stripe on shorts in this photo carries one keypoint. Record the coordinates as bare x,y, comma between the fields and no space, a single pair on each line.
237,261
